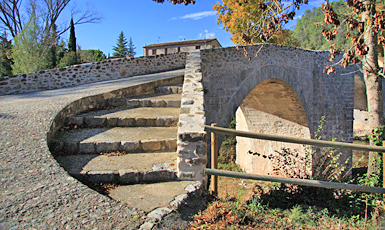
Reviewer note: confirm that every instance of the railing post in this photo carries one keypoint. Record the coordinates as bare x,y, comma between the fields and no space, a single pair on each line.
214,160
383,174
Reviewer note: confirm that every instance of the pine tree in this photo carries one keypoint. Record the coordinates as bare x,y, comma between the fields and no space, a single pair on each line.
131,48
120,49
72,41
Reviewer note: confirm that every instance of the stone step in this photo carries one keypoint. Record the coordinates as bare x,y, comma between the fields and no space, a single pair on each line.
124,139
123,117
121,169
158,198
152,100
170,89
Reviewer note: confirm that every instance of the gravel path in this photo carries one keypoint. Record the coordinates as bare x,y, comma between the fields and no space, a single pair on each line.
36,193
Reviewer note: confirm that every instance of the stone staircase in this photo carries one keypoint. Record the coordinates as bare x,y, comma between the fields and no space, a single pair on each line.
131,144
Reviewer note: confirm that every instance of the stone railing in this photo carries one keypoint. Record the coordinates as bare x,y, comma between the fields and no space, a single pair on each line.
192,146
90,72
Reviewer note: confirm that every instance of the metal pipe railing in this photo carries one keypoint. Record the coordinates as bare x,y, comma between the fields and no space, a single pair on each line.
305,182
321,143
314,183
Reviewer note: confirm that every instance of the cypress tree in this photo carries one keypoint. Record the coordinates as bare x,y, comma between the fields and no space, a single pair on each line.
72,41
131,48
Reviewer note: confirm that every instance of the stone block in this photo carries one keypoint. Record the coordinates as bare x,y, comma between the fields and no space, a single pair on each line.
133,103
158,103
141,122
76,120
130,146
112,121
126,122
170,144
173,103
87,148
170,121
159,213
103,176
128,176
94,121
163,175
105,147
56,146
179,201
152,145
71,147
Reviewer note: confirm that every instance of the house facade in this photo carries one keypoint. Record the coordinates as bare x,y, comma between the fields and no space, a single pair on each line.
180,46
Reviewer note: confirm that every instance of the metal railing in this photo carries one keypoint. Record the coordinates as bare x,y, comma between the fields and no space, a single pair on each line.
214,172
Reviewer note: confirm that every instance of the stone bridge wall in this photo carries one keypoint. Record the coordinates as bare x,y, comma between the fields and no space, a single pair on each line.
90,72
226,76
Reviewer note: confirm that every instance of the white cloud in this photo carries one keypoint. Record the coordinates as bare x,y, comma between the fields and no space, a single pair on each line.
206,34
196,16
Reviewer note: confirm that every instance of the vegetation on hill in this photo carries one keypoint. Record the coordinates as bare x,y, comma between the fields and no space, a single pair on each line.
309,30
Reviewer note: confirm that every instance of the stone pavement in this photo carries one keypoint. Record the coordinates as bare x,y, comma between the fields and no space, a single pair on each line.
36,193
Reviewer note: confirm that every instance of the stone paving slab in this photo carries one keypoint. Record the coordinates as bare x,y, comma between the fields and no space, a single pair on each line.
127,139
134,117
35,192
118,134
137,161
151,100
158,195
141,112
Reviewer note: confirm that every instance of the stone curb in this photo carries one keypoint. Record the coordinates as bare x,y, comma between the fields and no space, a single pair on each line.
125,176
194,190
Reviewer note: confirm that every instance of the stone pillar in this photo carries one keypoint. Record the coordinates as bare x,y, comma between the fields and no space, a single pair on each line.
192,146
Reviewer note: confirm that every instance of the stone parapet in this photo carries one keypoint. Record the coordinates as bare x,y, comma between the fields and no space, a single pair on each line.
89,72
192,146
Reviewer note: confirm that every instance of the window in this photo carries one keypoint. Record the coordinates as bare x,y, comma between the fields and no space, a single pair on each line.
153,52
165,50
178,49
197,47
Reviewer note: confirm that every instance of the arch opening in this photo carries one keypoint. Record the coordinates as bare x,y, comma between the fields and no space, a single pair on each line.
272,107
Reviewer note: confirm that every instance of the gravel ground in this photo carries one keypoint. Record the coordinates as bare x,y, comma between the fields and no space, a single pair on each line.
36,193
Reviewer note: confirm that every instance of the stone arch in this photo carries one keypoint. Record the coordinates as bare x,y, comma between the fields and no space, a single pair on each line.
272,107
287,76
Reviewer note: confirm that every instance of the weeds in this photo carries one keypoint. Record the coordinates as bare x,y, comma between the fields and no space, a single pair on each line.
298,207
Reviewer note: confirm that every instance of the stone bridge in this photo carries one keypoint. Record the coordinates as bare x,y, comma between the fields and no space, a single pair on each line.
280,89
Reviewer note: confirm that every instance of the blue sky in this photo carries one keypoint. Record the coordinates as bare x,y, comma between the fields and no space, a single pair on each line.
148,22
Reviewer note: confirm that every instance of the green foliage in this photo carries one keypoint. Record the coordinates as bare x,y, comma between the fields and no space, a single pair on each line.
91,55
309,28
5,56
70,58
120,49
26,53
72,40
131,48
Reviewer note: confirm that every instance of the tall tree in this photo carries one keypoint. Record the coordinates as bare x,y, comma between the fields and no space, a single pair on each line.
131,48
5,56
26,52
12,13
72,40
249,23
121,47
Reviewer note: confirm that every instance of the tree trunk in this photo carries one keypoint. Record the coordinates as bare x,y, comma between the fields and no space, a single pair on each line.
373,80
